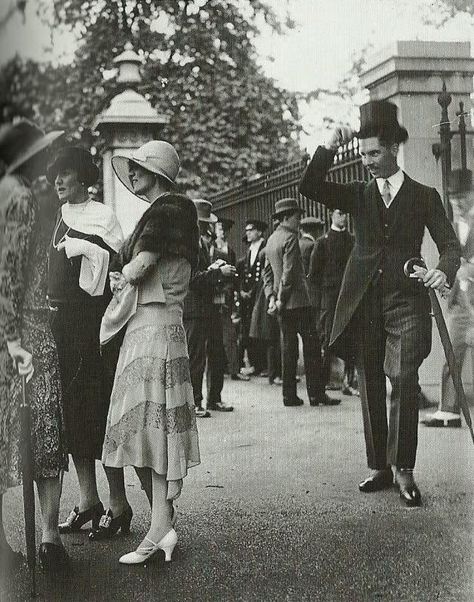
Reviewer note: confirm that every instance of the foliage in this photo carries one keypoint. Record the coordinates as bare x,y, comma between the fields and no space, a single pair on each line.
226,118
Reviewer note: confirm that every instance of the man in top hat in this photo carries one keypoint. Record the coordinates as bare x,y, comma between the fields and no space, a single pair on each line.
382,317
250,272
287,294
328,263
200,320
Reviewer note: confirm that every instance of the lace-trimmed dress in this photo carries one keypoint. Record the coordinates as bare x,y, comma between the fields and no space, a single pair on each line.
24,315
151,421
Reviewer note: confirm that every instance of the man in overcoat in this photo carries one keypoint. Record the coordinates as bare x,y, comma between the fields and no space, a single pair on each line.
199,317
382,317
287,293
327,265
250,273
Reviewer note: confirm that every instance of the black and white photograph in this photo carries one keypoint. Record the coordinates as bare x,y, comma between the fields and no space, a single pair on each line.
236,300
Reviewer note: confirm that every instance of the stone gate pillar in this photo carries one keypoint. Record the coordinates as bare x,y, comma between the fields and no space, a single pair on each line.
126,124
411,75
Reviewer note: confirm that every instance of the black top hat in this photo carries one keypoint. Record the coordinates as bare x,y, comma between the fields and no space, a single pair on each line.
379,118
258,223
78,159
21,141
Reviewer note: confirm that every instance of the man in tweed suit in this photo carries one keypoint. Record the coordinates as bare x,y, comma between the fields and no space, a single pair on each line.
382,318
287,293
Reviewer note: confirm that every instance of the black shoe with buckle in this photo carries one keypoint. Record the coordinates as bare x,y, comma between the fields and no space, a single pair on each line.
109,526
76,520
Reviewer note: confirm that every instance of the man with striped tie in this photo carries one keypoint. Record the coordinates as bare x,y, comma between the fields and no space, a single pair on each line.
382,319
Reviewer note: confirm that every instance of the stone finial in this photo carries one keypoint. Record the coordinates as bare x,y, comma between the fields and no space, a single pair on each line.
128,64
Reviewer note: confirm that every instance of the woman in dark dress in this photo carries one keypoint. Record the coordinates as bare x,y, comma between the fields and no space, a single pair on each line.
87,234
25,224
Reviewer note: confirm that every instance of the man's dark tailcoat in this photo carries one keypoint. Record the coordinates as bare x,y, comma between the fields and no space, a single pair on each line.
382,317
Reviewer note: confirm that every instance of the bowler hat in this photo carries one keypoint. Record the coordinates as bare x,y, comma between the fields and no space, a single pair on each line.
79,160
257,223
203,209
21,141
379,118
157,156
311,223
286,206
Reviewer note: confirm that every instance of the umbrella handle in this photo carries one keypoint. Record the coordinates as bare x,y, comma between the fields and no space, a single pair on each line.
409,268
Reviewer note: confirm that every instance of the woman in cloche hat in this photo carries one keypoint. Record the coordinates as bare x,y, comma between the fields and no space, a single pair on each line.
86,236
25,226
151,423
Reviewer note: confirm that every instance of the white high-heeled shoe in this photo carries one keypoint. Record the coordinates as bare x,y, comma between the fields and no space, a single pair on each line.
143,553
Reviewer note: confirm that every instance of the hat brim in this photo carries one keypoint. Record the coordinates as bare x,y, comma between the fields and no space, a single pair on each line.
38,146
212,219
120,165
277,213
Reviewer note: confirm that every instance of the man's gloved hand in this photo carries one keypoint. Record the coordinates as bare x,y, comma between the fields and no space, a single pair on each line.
22,359
340,136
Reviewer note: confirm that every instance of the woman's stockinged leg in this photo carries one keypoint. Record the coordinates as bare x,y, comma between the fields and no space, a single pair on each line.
160,509
144,475
85,469
49,493
118,502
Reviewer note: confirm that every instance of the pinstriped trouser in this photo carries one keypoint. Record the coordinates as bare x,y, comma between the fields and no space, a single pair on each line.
395,338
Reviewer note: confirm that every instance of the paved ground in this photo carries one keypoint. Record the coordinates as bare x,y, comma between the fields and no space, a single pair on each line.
273,513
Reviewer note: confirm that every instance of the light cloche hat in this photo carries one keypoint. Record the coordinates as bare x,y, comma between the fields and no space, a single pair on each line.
157,156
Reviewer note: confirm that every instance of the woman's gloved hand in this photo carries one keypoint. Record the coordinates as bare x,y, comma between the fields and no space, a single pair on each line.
22,359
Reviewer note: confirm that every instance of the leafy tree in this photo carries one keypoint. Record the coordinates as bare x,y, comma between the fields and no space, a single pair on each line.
226,117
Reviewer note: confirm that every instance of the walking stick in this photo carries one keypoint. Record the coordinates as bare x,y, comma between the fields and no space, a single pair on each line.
446,342
28,489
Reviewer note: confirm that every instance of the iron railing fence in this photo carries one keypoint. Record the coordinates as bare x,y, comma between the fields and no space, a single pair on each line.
255,197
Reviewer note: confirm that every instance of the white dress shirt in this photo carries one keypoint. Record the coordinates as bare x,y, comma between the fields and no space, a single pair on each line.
254,247
395,182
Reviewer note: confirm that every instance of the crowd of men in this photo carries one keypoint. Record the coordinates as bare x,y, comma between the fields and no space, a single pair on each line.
231,316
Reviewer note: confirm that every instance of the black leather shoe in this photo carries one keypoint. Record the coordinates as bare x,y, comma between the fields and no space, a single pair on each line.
409,492
325,400
293,402
53,558
109,526
76,519
220,407
410,495
382,479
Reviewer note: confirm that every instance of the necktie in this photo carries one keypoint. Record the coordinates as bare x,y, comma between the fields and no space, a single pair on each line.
386,195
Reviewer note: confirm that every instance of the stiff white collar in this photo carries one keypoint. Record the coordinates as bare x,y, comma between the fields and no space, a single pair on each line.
336,229
395,182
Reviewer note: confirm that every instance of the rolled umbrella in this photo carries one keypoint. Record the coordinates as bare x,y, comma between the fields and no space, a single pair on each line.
454,372
28,489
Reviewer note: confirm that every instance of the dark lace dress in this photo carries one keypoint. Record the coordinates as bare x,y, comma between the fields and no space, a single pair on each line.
24,315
